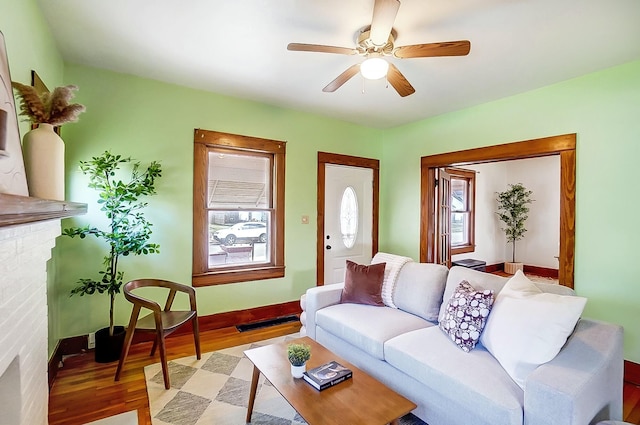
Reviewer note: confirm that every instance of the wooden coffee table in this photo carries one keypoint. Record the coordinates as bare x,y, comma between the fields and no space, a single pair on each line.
359,400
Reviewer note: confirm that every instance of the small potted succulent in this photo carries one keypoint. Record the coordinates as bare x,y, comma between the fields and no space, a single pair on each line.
298,355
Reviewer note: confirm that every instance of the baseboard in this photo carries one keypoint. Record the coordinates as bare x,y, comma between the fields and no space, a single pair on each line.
632,372
492,268
536,270
78,344
64,347
54,364
541,271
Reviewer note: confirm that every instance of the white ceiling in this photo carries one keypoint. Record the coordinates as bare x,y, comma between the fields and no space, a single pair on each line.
238,48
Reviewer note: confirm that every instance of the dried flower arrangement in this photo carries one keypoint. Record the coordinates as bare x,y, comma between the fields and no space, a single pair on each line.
48,107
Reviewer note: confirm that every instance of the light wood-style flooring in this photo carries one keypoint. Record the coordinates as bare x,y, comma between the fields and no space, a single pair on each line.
85,391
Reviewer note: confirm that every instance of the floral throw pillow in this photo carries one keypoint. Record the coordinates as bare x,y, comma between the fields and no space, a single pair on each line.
466,315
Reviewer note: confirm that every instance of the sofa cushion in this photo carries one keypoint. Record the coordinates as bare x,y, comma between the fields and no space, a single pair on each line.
362,284
481,280
394,264
474,379
466,315
419,289
367,327
528,327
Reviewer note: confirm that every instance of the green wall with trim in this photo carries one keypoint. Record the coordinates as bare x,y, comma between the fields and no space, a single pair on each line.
149,120
603,109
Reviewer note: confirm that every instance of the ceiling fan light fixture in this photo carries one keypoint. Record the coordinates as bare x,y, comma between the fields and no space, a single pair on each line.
374,68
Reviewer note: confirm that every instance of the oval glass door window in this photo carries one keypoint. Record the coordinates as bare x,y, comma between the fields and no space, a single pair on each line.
349,217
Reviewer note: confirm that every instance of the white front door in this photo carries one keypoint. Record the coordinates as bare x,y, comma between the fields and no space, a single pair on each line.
348,218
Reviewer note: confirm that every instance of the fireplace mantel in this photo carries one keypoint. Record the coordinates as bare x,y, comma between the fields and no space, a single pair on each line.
16,209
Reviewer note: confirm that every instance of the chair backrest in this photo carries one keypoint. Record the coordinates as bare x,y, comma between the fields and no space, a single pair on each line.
173,287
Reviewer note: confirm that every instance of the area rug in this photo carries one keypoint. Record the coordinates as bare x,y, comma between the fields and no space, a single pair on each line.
215,390
127,418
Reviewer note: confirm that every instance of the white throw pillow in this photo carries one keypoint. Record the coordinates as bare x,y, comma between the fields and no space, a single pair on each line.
528,327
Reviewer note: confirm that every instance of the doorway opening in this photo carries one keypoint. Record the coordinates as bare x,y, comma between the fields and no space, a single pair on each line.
563,145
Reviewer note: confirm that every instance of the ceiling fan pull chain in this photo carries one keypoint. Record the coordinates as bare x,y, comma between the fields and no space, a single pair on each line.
364,82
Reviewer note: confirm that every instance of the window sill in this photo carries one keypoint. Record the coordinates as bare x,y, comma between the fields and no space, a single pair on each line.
462,249
234,276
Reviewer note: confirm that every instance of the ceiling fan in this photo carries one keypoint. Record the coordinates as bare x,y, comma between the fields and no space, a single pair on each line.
376,41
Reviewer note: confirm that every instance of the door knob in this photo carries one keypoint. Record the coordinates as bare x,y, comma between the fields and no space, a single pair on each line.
328,246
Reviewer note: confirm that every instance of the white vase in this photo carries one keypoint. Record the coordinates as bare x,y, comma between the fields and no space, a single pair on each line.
43,153
297,371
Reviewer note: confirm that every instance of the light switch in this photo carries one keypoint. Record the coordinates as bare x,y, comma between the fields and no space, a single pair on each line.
305,219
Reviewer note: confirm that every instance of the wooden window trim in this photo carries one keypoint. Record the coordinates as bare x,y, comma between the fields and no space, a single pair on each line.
470,176
201,275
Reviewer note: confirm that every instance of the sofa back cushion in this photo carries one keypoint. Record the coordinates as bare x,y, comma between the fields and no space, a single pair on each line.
481,280
419,289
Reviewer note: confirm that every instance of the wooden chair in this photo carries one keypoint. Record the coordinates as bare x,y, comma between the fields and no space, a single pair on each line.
161,322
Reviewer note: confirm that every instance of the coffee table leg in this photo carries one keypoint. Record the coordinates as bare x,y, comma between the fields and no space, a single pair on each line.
252,393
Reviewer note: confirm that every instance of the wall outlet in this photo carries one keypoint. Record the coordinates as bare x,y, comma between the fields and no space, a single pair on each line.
91,342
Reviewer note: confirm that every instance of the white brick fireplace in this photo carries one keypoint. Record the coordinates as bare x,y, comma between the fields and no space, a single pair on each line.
24,252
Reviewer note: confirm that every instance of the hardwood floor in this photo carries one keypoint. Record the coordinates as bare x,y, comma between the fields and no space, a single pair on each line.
85,391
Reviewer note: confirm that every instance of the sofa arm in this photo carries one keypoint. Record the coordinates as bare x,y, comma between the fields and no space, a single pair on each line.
583,383
320,297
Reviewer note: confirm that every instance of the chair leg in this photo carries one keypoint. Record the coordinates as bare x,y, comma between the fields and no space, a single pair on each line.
127,342
196,336
163,359
155,345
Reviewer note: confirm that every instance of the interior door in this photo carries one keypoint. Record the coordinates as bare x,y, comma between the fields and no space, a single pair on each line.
348,219
443,210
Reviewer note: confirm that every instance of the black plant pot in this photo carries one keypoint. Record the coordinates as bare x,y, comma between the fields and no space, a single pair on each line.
108,347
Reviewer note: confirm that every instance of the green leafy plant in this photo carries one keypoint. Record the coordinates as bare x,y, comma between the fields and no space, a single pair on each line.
128,232
513,212
298,354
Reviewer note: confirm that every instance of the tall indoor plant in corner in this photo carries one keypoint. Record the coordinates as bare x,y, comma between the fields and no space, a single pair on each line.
128,232
513,212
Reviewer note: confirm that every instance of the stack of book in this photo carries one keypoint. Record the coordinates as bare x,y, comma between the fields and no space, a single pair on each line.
327,375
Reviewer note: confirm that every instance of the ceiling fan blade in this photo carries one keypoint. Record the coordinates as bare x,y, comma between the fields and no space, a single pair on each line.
448,48
384,14
300,47
342,78
399,82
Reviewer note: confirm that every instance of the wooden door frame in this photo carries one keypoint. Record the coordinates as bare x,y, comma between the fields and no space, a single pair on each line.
563,145
325,158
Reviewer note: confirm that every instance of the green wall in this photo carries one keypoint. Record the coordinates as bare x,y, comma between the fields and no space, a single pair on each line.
149,120
30,46
602,108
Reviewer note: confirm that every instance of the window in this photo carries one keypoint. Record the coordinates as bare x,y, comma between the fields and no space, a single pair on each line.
462,210
349,217
238,208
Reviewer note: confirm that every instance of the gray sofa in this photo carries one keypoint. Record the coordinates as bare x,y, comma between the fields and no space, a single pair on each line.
405,349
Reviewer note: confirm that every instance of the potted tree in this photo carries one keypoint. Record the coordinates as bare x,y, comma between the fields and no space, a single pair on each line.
513,212
128,233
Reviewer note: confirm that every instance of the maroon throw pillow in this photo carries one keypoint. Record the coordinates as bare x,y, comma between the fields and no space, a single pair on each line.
363,284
